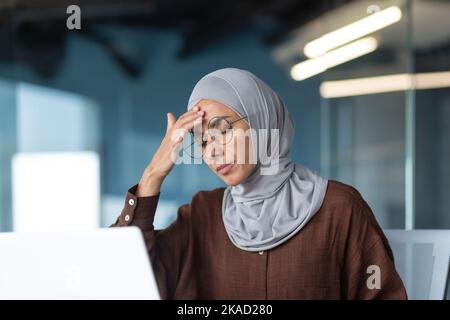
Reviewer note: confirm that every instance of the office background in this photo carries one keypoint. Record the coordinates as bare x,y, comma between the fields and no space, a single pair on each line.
82,111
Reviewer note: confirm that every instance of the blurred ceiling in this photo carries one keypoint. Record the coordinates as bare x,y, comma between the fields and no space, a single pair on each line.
35,32
430,22
430,37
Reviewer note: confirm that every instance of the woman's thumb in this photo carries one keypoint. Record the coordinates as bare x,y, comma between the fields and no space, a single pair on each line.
170,120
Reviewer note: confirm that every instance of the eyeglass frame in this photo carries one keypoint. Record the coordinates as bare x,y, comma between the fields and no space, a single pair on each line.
230,125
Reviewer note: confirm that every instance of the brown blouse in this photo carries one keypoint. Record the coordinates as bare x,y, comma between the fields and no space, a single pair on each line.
193,258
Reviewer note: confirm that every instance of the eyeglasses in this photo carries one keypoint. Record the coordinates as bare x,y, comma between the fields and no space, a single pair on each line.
220,131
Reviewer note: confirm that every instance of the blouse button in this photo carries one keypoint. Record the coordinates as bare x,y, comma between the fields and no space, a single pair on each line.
261,253
131,202
127,218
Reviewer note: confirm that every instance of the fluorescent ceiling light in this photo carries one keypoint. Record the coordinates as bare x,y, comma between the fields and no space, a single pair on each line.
353,31
312,67
381,84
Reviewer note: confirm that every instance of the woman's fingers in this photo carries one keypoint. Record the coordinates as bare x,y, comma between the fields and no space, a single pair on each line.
190,117
189,121
184,124
193,123
166,155
179,133
188,113
170,121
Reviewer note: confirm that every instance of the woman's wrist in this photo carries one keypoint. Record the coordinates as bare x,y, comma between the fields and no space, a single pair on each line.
150,184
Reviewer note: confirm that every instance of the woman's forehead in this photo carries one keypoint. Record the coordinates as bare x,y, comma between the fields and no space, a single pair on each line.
214,108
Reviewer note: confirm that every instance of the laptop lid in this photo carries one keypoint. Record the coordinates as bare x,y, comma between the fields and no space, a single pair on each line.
103,264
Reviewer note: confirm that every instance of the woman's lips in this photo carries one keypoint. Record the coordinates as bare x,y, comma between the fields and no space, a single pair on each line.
224,168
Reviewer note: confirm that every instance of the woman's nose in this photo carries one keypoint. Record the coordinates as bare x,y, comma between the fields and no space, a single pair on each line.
213,150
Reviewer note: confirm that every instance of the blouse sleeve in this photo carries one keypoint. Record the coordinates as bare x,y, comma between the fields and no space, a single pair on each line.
170,250
369,270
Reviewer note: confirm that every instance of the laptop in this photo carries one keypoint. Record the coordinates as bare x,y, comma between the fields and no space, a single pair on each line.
102,264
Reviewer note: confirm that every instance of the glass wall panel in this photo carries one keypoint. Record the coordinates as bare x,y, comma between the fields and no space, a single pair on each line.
432,128
364,141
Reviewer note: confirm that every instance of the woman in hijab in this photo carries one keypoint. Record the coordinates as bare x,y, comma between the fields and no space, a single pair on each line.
278,230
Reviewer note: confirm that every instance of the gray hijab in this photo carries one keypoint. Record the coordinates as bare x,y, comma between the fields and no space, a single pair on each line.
265,210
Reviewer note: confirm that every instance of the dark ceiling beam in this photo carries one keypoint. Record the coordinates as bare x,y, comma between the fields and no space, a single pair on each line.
92,10
38,26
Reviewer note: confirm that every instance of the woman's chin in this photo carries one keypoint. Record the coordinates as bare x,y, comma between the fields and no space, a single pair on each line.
230,182
233,178
230,179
